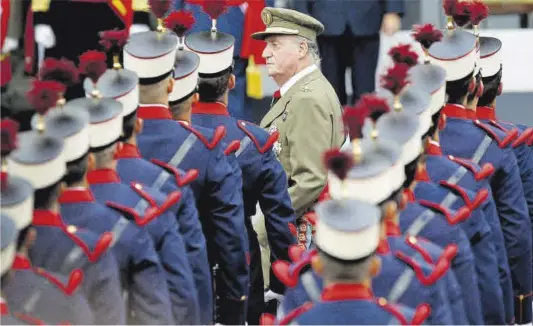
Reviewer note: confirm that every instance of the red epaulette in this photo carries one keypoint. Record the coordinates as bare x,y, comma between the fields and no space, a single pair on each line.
218,135
151,212
289,274
422,312
260,148
479,174
296,253
502,143
460,215
296,313
524,138
232,147
530,141
181,181
448,253
481,196
74,280
440,268
102,244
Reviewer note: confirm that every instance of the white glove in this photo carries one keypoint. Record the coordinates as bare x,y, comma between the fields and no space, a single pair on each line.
139,28
44,35
272,295
10,44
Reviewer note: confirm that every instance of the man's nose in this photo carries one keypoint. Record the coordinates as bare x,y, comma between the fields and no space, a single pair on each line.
266,52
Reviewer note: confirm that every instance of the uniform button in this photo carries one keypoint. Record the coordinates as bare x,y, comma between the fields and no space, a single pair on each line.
27,59
243,124
243,298
138,186
382,301
451,157
72,229
411,239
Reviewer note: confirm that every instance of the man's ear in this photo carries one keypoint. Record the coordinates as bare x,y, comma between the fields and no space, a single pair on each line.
138,125
31,235
170,86
91,164
195,98
375,266
304,49
231,81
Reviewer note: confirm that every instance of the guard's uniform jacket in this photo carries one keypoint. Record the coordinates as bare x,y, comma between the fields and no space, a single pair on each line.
129,163
162,227
142,274
486,146
343,304
478,231
416,220
263,177
218,197
450,171
61,248
52,298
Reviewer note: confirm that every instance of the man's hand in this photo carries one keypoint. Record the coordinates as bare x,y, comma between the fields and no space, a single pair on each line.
391,23
10,44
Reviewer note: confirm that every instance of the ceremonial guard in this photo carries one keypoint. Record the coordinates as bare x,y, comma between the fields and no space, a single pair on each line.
348,270
28,291
217,188
264,180
147,207
122,85
456,53
305,107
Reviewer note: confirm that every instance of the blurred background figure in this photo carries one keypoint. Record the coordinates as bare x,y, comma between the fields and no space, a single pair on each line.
352,39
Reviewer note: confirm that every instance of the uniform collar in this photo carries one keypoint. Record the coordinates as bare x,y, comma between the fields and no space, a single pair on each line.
433,148
471,115
454,111
103,176
294,79
21,262
154,112
409,195
485,113
383,247
213,108
43,217
341,292
4,309
126,150
72,195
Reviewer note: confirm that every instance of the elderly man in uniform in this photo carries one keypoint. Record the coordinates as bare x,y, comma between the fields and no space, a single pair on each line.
305,111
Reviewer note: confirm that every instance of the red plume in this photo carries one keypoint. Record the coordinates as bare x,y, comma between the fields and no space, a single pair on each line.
63,71
461,15
160,7
396,78
113,40
8,131
449,7
478,11
338,162
93,64
426,35
354,119
180,22
44,95
375,105
402,54
214,8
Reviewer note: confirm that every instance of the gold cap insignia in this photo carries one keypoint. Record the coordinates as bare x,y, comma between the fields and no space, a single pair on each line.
267,17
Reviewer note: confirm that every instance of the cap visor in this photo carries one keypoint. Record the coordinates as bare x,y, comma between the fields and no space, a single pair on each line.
274,31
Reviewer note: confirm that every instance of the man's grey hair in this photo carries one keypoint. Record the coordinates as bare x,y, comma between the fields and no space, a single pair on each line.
104,157
336,271
313,48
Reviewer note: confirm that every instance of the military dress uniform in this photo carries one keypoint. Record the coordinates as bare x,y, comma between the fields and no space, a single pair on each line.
155,215
217,188
122,85
350,303
306,100
456,54
131,245
264,180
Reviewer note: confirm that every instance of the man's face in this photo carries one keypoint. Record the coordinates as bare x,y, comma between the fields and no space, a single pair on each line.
282,54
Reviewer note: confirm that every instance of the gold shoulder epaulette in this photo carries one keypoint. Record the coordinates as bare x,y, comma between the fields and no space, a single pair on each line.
141,5
40,5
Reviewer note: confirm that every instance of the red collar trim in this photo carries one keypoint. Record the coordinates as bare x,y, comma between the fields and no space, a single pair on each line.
103,176
454,111
433,148
42,217
21,263
154,112
485,113
213,108
392,230
127,151
340,292
383,247
4,310
471,115
70,196
409,195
